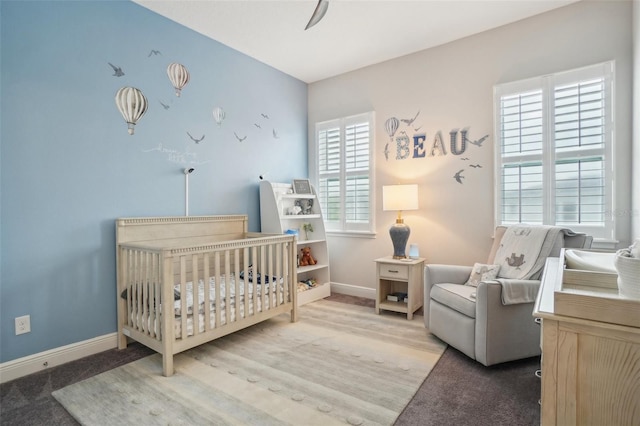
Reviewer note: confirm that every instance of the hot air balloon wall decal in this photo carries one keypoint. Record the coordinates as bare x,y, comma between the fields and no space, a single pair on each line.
390,126
178,75
219,115
132,105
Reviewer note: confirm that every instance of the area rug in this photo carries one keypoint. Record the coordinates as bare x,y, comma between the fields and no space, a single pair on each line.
339,364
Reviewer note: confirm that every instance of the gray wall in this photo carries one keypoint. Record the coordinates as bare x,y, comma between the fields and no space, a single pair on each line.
452,88
69,168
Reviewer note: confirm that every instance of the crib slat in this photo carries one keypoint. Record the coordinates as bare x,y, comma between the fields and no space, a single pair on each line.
228,288
262,269
207,292
247,291
138,289
255,268
184,314
155,297
238,286
195,285
279,274
216,271
268,282
129,272
144,282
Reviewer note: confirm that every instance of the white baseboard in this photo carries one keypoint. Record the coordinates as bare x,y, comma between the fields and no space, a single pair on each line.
353,290
20,367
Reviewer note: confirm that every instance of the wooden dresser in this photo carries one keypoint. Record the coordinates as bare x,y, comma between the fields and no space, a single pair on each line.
590,351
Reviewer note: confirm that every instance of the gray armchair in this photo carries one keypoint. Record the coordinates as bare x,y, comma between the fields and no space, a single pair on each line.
476,320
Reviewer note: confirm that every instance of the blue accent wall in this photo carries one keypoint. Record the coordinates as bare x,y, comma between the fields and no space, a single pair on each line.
69,168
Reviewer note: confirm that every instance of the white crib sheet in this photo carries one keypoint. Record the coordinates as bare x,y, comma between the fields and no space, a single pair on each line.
177,304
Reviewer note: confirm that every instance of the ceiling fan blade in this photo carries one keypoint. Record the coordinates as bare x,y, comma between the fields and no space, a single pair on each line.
318,14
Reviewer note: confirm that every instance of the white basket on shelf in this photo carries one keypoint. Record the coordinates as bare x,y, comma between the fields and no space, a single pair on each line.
628,274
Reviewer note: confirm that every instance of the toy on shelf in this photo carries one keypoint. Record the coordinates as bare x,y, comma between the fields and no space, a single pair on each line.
306,259
307,284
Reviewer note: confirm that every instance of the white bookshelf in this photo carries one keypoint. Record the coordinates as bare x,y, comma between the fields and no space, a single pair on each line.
276,202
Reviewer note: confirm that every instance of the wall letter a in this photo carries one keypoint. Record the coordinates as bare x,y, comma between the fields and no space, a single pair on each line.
438,146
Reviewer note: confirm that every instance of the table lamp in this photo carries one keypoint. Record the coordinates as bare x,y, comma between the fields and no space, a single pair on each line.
399,197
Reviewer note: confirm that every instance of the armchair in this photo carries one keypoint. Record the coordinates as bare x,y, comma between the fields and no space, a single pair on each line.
485,322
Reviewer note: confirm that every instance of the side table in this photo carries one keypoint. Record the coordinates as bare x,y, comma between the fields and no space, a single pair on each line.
399,276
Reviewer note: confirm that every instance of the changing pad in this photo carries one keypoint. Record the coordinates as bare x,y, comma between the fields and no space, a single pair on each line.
590,261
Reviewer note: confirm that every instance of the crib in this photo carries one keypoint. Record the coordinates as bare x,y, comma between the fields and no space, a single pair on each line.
184,281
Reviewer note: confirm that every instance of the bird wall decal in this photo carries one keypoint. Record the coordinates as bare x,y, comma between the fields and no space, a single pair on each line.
196,140
117,71
239,138
479,141
458,176
409,121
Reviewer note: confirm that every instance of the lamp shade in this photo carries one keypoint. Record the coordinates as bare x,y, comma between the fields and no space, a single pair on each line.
400,197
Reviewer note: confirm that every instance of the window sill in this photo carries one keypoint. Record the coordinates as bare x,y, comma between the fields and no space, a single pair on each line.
604,244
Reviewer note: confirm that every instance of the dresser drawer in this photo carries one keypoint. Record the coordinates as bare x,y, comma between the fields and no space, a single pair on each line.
400,272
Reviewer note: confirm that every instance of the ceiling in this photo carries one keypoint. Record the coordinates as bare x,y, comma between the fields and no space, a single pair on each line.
353,33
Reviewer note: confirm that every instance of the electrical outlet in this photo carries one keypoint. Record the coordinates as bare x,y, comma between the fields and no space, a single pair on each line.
23,324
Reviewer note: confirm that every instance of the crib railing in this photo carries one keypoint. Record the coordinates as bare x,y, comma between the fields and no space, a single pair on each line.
147,279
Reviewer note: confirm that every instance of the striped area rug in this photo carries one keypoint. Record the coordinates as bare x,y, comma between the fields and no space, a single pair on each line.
339,364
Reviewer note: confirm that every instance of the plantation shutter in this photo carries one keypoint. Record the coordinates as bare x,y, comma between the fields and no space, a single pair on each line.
555,150
329,170
357,173
580,127
521,133
344,172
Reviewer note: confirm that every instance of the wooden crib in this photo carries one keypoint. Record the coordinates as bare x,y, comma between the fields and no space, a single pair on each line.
181,280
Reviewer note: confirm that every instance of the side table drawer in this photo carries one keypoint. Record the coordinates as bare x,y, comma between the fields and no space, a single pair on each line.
394,271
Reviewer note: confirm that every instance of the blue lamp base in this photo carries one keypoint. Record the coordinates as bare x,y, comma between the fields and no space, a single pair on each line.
399,233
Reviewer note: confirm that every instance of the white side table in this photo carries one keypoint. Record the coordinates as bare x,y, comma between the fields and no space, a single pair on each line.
399,275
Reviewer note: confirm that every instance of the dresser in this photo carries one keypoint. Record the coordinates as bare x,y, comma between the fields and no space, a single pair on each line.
590,353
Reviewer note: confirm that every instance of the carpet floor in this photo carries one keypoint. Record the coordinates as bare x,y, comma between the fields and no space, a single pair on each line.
458,390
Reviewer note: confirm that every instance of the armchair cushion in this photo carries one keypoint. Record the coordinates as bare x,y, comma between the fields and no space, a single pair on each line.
457,297
482,272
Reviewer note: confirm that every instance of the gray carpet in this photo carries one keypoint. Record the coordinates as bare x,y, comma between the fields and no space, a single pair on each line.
340,364
460,391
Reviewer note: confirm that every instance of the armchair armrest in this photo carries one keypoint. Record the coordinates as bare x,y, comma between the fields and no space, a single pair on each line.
518,291
436,274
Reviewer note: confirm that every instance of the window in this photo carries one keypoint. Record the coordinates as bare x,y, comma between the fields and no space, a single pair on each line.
554,157
345,172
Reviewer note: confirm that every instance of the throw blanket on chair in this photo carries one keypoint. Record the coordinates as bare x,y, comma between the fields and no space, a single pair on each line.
523,251
522,254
